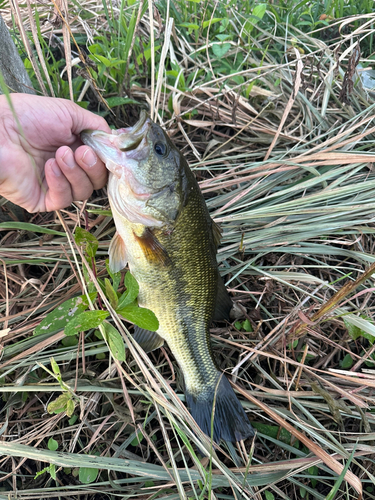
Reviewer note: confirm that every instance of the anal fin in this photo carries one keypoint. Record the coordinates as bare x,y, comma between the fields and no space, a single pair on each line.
223,302
149,341
117,254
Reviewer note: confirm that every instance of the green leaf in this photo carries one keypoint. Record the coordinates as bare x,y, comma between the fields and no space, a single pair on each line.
90,284
87,241
55,367
116,277
239,79
52,444
59,405
27,226
131,292
85,321
99,211
115,342
52,471
257,14
259,11
83,104
220,49
73,420
101,59
110,293
347,362
147,54
43,471
273,431
190,26
87,475
293,345
354,331
212,21
70,408
313,471
247,326
370,361
137,440
222,38
69,341
359,327
269,495
119,101
59,317
141,316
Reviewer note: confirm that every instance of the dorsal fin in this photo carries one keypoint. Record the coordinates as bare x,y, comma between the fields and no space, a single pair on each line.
117,254
216,233
152,248
223,303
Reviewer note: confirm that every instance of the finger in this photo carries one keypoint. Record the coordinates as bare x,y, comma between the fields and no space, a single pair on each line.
59,194
92,165
83,119
80,184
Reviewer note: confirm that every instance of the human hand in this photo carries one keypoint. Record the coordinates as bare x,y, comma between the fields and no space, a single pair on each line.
44,166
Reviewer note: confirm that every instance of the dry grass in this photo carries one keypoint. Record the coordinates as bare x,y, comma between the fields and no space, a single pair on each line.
288,173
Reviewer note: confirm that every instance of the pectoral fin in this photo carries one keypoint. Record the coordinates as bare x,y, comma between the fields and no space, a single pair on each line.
117,254
149,341
152,248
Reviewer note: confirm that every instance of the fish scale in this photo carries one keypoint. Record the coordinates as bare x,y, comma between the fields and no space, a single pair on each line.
187,287
166,235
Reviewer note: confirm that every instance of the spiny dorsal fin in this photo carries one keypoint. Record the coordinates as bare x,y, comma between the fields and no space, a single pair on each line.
216,233
149,341
151,247
117,254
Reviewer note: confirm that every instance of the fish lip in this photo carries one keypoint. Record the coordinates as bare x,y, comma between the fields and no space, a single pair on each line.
124,140
136,128
101,142
128,139
87,137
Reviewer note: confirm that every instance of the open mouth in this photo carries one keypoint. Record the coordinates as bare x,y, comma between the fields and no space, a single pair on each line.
120,146
130,138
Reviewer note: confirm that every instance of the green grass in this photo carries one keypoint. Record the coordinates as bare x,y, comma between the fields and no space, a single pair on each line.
297,227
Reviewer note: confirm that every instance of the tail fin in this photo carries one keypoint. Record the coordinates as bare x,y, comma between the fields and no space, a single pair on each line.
230,420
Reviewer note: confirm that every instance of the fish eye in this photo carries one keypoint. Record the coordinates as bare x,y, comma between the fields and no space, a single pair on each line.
160,148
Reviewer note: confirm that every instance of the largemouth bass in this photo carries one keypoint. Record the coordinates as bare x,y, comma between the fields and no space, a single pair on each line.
166,235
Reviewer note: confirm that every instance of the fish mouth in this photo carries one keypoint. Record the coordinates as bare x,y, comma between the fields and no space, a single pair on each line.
130,141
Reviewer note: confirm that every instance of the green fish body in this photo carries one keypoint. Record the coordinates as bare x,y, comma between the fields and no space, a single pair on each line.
168,239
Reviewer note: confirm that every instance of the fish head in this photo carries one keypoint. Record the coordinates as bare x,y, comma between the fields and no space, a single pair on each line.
147,172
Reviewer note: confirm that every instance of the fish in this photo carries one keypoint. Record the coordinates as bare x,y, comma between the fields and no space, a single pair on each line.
165,234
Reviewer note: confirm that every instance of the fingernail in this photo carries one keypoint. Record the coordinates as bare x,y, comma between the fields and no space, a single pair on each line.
68,159
55,169
89,157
